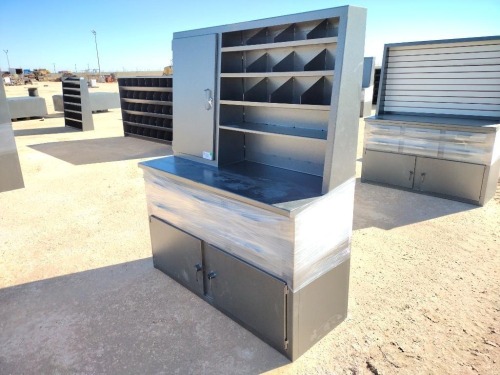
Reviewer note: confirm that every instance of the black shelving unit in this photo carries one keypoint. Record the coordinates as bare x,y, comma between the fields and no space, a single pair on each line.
146,104
76,102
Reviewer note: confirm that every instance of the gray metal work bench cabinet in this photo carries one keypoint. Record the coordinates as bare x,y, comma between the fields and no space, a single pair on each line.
436,130
253,213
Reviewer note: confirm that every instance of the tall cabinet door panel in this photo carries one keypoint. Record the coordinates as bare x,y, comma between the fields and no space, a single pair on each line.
246,293
462,180
177,254
194,95
388,168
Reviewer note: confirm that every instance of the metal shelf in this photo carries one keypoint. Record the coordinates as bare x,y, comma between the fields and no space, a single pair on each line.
277,105
71,103
137,88
145,101
71,95
317,73
295,43
248,127
147,114
148,126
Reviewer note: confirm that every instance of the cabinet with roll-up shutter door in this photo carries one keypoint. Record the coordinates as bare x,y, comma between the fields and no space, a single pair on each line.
438,102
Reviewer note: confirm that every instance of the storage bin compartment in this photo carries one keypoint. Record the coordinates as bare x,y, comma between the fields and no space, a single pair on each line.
320,93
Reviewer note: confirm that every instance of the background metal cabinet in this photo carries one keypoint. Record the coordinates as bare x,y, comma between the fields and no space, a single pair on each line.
197,119
76,102
387,168
178,254
447,177
146,104
437,105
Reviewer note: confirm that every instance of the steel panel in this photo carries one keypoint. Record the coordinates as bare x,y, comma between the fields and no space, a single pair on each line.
177,254
319,308
457,179
11,176
194,85
388,168
251,296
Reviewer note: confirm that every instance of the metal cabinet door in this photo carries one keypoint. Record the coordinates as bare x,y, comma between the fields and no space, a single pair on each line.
387,168
457,179
177,254
194,95
247,294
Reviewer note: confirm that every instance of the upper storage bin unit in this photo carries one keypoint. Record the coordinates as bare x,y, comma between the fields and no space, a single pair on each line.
274,97
458,78
275,91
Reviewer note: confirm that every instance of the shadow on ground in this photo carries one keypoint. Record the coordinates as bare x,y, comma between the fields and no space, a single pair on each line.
125,318
90,151
40,131
387,208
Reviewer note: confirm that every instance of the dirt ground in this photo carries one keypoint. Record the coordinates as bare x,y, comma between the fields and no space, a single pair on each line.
79,294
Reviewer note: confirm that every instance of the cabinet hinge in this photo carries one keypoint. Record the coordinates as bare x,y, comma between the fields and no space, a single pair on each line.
286,290
285,345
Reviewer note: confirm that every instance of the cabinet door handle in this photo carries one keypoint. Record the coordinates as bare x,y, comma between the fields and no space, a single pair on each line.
411,176
212,275
210,100
422,178
198,267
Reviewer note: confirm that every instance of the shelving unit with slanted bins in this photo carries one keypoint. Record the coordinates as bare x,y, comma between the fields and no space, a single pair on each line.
146,104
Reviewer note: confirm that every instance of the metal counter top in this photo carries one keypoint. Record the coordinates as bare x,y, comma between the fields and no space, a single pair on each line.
276,189
442,121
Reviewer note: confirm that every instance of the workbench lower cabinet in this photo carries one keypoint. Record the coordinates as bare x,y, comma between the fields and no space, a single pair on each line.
258,301
238,289
281,270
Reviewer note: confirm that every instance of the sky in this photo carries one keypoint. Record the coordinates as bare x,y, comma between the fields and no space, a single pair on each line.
137,35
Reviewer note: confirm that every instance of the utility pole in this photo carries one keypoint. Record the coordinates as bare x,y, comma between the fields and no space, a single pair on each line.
54,67
97,51
7,54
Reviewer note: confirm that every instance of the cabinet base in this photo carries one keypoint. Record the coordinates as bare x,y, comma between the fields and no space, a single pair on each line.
291,322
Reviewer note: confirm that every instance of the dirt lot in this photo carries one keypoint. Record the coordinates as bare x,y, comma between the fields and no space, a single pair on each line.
79,293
